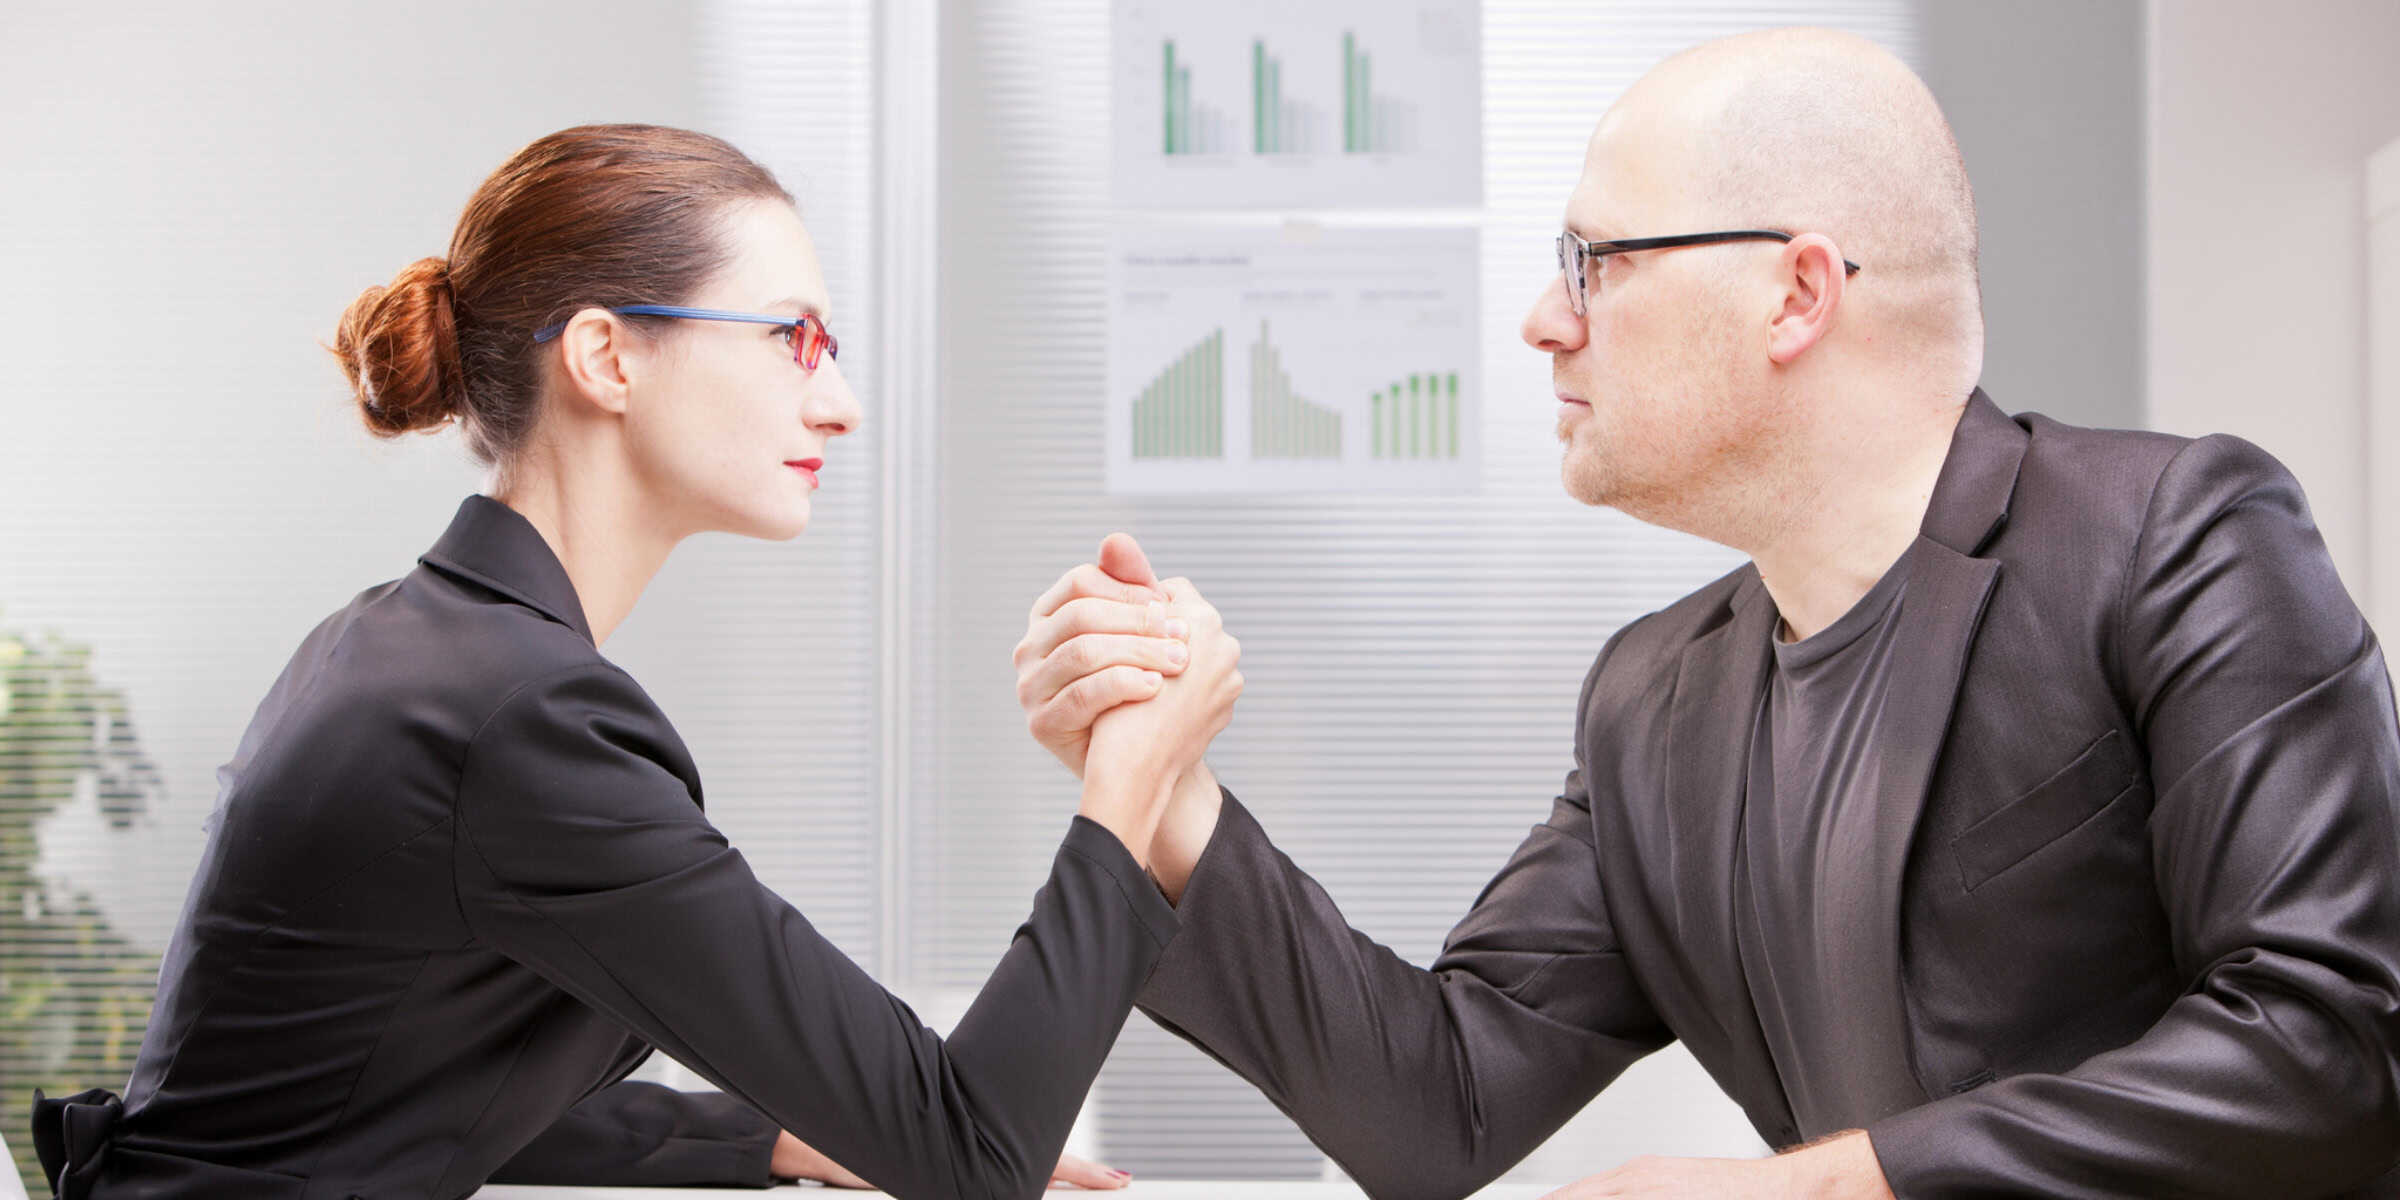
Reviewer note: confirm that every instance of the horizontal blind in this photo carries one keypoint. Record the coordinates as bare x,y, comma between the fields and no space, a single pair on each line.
1412,661
764,653
188,494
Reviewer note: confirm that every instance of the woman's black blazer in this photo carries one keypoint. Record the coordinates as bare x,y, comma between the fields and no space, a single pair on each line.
459,883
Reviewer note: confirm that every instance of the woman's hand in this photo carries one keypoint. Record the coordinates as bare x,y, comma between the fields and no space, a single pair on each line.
1095,640
1137,751
796,1159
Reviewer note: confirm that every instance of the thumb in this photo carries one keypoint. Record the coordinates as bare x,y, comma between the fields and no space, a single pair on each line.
1122,558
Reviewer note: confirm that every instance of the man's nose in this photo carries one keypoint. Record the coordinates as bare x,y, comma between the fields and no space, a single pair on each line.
1551,325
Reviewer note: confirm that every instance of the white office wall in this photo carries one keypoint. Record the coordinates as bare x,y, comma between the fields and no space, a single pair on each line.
193,200
2260,122
2046,99
193,195
2383,387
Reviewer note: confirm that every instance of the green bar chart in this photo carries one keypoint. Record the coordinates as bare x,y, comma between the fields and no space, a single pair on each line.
1354,96
1181,414
1371,123
1416,417
1272,104
1279,124
1274,361
1188,127
1282,424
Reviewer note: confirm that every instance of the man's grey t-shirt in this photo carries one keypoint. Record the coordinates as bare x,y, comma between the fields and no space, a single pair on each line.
1812,758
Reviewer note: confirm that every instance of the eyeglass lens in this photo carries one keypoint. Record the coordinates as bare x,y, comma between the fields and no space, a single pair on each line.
1570,268
812,342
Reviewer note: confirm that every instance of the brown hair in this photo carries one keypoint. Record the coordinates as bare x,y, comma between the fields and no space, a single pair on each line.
594,216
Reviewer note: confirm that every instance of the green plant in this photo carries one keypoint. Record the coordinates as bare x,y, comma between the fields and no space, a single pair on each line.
74,994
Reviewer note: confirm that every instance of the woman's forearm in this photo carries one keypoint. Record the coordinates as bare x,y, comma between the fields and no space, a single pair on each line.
1184,830
1129,801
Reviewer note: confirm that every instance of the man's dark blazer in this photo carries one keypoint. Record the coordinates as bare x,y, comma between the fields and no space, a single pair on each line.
460,882
2121,917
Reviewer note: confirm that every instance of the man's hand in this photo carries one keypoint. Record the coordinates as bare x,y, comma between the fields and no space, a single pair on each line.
1842,1167
796,1159
1683,1179
1100,637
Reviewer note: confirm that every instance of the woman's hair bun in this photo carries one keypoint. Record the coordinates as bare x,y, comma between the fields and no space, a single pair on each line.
399,347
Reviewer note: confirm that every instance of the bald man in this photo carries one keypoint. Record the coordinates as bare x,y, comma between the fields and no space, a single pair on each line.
2020,820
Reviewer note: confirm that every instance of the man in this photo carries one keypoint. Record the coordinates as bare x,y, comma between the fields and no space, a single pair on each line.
2020,820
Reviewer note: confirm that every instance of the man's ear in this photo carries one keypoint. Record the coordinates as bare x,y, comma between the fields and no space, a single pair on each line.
1813,278
597,350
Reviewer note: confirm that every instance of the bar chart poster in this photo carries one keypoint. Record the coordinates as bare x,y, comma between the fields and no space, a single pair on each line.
1272,104
1296,359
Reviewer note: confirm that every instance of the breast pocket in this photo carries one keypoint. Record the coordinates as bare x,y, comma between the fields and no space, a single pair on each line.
2052,809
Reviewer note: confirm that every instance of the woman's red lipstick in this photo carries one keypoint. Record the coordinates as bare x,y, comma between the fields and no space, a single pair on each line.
808,467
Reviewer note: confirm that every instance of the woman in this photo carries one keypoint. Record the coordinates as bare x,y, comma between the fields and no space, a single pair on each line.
459,881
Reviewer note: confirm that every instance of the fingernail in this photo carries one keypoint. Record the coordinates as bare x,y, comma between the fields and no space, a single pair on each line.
1153,678
1176,653
1121,1174
1157,615
1177,627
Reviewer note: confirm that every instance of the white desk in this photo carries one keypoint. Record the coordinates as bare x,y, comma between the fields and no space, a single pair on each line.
1181,1189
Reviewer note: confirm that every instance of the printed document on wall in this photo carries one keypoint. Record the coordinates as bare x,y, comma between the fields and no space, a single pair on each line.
1359,104
1293,359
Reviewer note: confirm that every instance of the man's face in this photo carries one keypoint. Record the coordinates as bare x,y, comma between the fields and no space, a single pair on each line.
1660,380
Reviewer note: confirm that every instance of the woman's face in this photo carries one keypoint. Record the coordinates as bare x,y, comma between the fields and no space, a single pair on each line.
725,428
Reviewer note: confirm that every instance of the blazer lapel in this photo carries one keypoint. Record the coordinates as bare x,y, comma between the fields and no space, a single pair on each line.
1717,687
1940,610
492,545
1718,682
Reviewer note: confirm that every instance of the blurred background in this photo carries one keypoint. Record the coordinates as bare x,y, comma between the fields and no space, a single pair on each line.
2186,226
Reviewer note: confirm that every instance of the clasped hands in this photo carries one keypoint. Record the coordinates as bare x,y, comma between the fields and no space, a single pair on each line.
1127,678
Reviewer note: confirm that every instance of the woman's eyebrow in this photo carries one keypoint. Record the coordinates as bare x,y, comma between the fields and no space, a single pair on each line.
805,306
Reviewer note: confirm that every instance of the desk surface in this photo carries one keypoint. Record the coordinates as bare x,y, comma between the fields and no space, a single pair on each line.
1180,1189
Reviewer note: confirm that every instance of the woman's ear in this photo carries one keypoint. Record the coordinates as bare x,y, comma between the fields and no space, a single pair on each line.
596,349
1813,276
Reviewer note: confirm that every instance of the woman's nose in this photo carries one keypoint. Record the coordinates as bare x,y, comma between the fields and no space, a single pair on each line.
831,406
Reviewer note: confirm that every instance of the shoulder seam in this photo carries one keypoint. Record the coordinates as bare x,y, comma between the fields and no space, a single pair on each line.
2141,539
458,789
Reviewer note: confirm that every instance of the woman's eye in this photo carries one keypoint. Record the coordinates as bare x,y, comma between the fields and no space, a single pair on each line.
786,332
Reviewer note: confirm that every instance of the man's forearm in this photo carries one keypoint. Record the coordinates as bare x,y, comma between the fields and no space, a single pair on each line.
1840,1167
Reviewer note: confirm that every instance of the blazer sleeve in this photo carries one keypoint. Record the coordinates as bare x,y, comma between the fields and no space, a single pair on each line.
2275,758
639,1134
1420,1083
584,855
